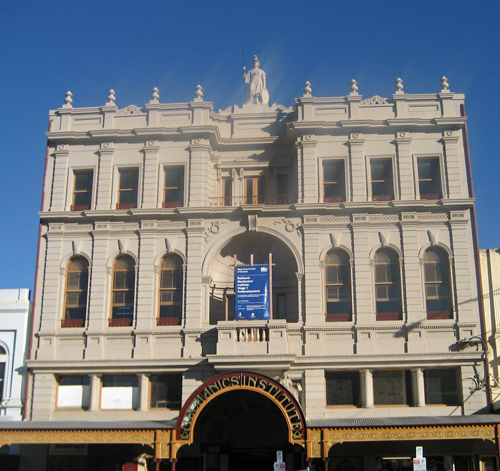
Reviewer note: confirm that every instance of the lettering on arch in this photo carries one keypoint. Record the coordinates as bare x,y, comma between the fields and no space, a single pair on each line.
241,380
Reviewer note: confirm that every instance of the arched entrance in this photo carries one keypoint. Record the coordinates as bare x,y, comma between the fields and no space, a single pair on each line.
239,421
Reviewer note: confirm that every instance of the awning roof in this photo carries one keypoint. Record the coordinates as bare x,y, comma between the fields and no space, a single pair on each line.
88,425
454,420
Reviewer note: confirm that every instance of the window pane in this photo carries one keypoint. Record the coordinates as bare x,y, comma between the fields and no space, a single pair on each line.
166,391
128,179
342,388
441,387
174,177
83,181
381,170
428,169
109,381
74,380
392,387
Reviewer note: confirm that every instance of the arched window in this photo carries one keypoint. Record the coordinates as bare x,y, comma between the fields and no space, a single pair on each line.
338,286
122,299
387,285
170,291
437,284
75,296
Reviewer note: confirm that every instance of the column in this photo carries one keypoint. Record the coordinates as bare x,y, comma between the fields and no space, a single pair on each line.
198,173
194,291
309,182
150,175
358,168
366,388
143,392
60,178
418,385
105,176
404,167
95,392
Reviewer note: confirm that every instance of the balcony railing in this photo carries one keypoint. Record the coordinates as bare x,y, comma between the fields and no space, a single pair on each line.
72,322
388,316
429,196
333,199
126,205
172,204
382,197
80,207
124,322
251,334
240,200
439,315
346,317
168,321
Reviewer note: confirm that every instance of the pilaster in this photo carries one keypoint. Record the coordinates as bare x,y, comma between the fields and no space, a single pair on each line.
60,178
366,388
198,181
456,188
404,167
358,168
150,175
95,392
309,172
105,176
143,392
313,289
418,385
194,287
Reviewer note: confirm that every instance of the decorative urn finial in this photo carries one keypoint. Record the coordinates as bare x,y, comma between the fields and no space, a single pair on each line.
155,96
307,89
111,97
399,86
354,87
445,87
68,100
198,94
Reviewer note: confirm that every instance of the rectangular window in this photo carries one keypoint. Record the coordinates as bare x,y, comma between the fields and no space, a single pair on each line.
392,387
82,190
429,179
227,191
441,387
127,188
173,193
382,185
342,388
333,181
166,391
255,190
73,392
119,392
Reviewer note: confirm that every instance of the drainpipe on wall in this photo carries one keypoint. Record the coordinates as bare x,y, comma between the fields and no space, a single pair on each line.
478,267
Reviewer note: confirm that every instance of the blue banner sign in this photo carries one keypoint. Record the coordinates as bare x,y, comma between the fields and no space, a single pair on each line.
251,287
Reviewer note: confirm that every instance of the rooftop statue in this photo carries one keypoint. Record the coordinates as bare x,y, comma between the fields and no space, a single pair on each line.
257,79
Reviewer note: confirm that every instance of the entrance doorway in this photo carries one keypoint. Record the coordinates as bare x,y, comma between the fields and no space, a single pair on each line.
240,431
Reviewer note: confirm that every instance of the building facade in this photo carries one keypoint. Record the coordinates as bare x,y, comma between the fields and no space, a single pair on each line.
362,210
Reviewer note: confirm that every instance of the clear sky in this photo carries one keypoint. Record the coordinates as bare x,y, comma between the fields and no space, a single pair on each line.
91,46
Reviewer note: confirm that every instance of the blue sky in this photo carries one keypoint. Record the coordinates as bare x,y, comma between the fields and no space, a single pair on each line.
91,46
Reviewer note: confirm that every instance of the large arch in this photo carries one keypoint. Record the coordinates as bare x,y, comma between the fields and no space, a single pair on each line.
259,245
283,410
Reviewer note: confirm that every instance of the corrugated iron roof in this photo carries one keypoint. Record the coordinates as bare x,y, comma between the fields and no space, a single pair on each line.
90,425
406,421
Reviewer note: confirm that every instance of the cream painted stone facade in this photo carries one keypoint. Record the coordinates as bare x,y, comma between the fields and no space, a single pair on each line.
254,180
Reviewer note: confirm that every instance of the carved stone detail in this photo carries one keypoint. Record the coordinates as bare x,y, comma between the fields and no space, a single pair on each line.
131,109
375,100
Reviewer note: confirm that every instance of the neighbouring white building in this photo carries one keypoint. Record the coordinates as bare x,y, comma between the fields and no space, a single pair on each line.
363,209
15,311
